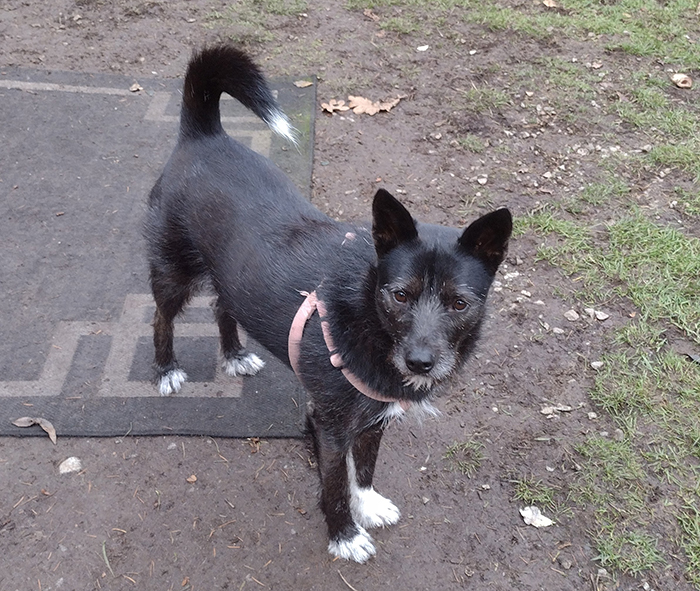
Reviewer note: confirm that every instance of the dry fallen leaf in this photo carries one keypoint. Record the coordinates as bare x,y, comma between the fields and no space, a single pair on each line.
360,105
550,3
370,15
533,516
43,423
334,105
682,80
303,83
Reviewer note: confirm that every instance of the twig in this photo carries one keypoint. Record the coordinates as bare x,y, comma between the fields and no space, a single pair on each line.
104,555
345,581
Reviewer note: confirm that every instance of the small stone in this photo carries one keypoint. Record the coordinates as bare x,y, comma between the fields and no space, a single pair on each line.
592,416
602,316
571,315
618,435
590,312
557,330
597,365
565,563
425,500
69,465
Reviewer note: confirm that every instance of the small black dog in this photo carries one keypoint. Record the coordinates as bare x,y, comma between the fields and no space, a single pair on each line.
399,308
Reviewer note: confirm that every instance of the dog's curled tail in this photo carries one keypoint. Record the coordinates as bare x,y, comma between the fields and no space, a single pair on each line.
223,68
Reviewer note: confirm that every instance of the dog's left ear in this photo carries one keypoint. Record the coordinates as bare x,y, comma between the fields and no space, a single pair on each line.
487,237
391,223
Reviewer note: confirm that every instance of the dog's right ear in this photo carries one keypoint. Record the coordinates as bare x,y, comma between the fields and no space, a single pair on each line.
391,223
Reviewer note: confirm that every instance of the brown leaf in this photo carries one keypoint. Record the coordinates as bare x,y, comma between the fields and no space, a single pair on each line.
43,423
370,15
49,428
550,3
334,105
360,105
24,422
303,83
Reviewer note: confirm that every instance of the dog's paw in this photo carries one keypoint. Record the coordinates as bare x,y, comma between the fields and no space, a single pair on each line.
171,382
358,548
370,509
246,365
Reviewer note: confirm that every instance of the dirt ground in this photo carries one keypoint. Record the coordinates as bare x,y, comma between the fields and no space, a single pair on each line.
130,519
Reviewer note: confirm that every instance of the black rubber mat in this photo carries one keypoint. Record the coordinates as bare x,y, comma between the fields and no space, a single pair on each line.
79,155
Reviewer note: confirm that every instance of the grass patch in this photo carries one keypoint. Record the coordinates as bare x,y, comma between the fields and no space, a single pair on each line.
249,21
651,392
482,99
656,267
465,456
530,491
472,143
631,552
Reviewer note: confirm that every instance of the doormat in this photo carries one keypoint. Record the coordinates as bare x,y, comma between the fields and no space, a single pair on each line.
80,155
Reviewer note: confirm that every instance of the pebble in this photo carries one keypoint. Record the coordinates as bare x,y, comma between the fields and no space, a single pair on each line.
69,465
597,365
571,315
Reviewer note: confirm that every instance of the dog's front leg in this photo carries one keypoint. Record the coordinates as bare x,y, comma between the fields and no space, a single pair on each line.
369,508
347,539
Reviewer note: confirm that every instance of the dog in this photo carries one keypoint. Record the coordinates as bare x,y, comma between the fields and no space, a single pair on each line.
374,321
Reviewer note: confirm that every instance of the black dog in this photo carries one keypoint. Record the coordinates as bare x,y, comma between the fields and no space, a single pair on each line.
399,308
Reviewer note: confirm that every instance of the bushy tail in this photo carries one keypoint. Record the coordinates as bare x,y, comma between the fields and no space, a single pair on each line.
226,69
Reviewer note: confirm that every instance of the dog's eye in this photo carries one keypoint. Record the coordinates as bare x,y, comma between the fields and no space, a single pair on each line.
400,296
460,305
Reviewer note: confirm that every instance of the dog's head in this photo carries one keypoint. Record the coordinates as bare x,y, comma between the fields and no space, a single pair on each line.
432,287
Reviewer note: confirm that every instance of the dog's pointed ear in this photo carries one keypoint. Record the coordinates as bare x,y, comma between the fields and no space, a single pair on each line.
391,223
487,237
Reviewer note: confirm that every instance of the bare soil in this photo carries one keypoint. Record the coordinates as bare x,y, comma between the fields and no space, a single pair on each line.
131,519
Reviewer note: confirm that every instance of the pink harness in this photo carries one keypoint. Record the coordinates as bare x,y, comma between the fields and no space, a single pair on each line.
310,304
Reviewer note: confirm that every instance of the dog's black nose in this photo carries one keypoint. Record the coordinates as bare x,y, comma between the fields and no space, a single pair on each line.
420,360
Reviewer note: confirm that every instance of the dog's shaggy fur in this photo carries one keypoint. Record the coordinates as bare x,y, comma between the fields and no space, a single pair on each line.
405,301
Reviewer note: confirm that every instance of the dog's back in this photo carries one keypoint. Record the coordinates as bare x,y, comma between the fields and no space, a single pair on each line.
223,213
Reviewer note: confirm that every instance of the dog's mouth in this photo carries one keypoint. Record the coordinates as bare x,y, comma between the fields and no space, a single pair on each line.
423,377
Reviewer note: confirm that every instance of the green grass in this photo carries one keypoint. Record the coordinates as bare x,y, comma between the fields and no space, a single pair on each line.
631,552
482,99
532,491
472,143
651,392
656,267
465,456
248,21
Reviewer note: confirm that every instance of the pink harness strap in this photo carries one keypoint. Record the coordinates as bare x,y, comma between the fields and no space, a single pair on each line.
310,304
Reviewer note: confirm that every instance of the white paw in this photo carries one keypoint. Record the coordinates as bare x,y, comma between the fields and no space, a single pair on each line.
360,548
370,509
244,366
171,382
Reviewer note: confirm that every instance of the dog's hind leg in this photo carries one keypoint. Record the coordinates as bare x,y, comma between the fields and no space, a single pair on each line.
237,361
170,298
369,508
